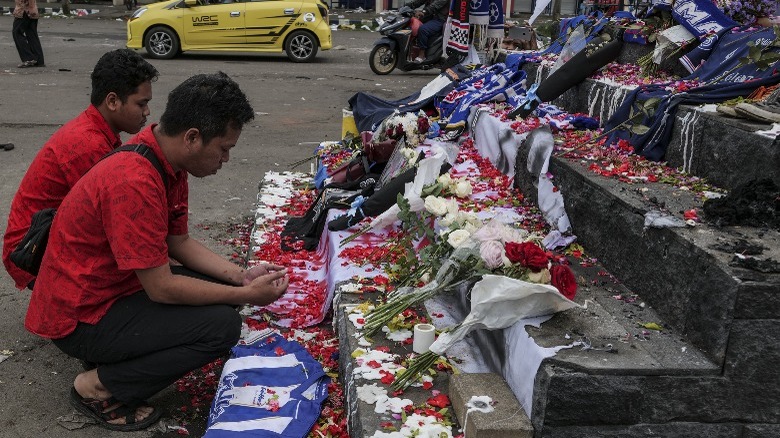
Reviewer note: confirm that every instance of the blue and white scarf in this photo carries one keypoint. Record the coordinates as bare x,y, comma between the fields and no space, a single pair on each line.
700,17
273,388
485,16
723,77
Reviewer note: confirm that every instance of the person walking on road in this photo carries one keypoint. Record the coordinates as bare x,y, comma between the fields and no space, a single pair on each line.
121,91
25,33
106,293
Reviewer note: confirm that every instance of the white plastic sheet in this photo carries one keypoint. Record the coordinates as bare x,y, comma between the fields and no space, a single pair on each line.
498,302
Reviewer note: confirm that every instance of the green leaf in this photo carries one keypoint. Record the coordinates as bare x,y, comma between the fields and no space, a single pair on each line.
431,189
639,129
651,103
762,65
754,53
651,326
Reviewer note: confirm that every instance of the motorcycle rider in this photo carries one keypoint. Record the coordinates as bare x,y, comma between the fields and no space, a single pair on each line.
434,14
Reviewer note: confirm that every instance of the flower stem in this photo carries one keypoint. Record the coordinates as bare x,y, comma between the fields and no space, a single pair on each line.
414,371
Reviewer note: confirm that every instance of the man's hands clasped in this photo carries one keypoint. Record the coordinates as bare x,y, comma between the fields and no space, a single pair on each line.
267,283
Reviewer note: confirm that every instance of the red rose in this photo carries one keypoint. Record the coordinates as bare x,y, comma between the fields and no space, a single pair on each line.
512,250
528,254
423,125
563,280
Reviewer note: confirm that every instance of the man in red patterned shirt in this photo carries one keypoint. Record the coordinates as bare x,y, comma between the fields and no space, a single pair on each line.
121,91
106,293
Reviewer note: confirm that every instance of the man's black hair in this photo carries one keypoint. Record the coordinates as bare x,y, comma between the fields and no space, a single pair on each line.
207,102
120,71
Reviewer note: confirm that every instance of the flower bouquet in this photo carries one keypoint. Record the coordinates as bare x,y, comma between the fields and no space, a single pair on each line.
748,11
413,127
497,302
427,171
494,248
461,266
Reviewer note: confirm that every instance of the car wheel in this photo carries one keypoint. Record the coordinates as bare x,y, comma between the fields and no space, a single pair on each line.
382,59
301,46
162,43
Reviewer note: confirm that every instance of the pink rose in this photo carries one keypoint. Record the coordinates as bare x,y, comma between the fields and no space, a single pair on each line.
492,253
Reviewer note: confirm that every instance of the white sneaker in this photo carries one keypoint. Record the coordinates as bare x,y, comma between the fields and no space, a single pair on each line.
419,59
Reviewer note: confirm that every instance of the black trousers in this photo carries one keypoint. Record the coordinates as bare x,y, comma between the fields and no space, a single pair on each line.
141,346
25,33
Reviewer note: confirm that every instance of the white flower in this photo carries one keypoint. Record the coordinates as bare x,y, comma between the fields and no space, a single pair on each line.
458,238
436,205
472,219
452,206
542,277
491,231
462,189
444,179
470,227
409,153
448,220
511,234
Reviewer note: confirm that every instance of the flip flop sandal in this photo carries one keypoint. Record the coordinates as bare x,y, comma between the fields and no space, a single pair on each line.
27,64
94,409
6,146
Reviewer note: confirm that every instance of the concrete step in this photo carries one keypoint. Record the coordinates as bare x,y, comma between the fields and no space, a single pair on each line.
688,274
725,151
612,360
503,417
693,279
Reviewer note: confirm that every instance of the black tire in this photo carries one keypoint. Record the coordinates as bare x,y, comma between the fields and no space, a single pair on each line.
301,46
162,43
382,59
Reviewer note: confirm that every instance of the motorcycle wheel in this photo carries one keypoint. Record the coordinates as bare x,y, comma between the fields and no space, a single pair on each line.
382,59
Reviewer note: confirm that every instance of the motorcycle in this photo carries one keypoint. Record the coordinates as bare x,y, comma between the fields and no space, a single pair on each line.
398,49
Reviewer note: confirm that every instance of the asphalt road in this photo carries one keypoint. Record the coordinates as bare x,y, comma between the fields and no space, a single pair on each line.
296,105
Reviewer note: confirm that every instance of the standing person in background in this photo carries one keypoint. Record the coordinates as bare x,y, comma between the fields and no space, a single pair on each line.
121,91
25,32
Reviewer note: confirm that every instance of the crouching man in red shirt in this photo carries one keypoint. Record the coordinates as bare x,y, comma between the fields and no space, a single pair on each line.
119,102
105,292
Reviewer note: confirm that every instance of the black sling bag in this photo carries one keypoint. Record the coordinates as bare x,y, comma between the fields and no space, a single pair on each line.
29,253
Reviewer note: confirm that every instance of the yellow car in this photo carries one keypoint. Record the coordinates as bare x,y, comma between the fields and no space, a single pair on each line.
297,27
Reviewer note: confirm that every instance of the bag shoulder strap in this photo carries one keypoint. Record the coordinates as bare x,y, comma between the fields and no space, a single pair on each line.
146,152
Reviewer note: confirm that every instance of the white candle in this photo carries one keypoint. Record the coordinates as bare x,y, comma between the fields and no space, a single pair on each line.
424,335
